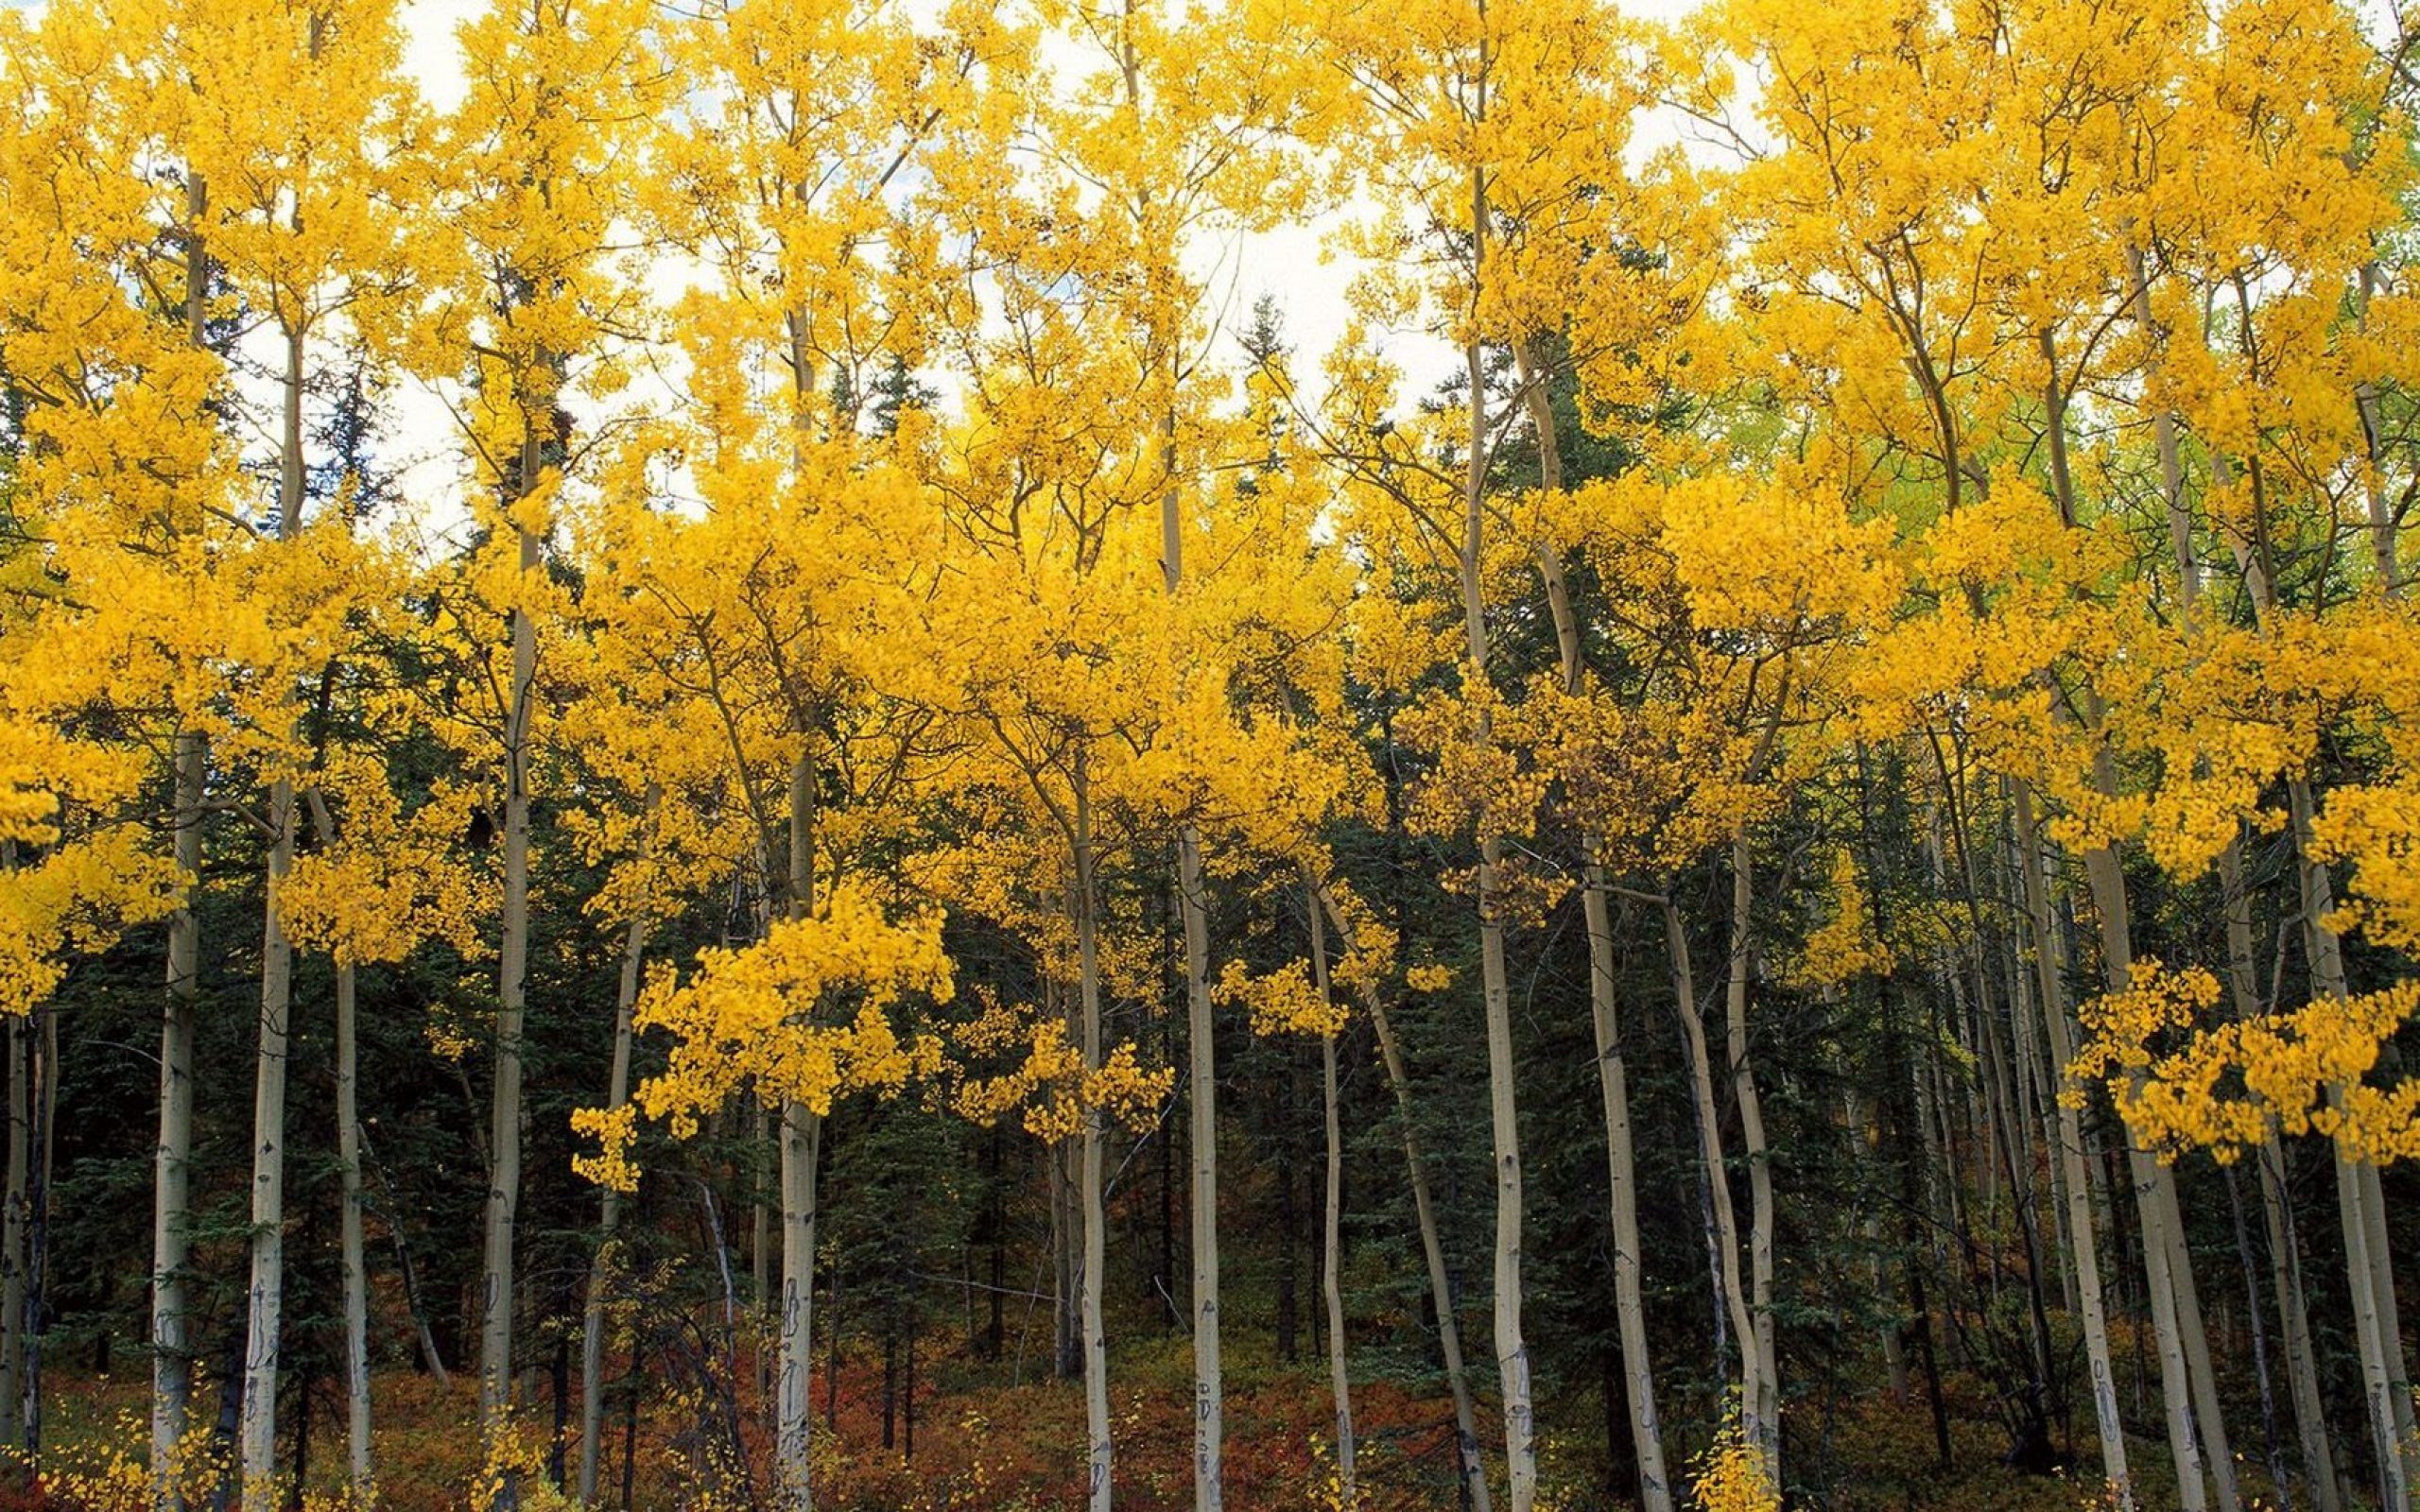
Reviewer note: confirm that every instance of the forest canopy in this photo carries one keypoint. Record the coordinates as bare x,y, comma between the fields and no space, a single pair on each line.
717,743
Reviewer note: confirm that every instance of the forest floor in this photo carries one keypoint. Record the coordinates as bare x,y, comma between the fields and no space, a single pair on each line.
1018,1448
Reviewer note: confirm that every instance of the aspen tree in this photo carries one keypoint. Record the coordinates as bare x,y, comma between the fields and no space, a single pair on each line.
299,226
541,160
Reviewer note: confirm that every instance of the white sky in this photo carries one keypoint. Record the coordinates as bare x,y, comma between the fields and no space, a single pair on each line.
1291,262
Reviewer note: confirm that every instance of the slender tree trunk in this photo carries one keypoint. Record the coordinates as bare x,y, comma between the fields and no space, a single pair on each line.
2302,1363
1645,1434
1089,1276
171,1362
2261,1373
13,1236
2149,1180
265,1306
512,959
171,1353
1638,1375
600,1273
1203,1105
350,1262
1764,1416
264,1312
802,1133
358,1469
2361,1213
2048,965
1512,1349
43,1102
1432,1248
1332,1236
1202,1079
1726,1227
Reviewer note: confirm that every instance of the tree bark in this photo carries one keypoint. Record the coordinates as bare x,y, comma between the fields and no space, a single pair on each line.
1331,1237
1432,1248
1512,1349
592,1333
1645,1434
265,1311
1726,1225
801,1135
1090,1275
1764,1419
513,960
2049,957
171,1364
12,1234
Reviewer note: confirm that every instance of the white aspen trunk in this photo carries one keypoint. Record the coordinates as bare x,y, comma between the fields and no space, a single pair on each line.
1638,1374
1089,1275
2369,1274
2198,1373
1512,1349
2360,1206
2212,1425
802,1132
1332,1236
2076,1188
13,1235
1202,1110
1202,1083
172,1159
802,1137
513,960
1449,1336
2302,1363
2382,510
351,1265
2108,886
1726,1224
171,1380
592,1329
265,1311
1766,1418
2302,1366
264,1301
358,1468
762,1317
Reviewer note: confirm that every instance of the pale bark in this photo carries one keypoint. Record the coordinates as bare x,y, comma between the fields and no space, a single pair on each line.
171,1379
2149,1178
592,1334
2302,1364
358,1468
2383,562
1203,1106
1638,1374
1331,1236
1202,1083
2075,1187
351,1263
265,1309
1512,1349
12,1234
1726,1224
513,960
2360,1205
802,1132
1449,1337
2369,1274
2301,1368
1096,1221
1764,1415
